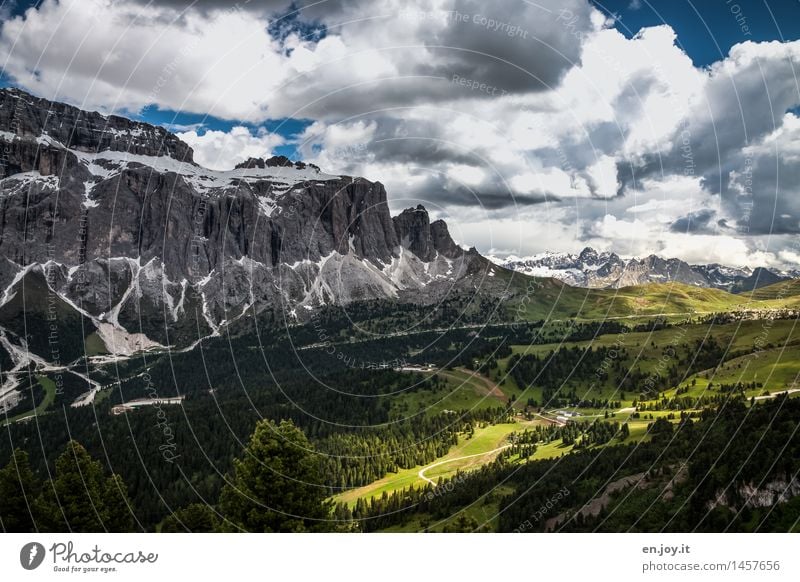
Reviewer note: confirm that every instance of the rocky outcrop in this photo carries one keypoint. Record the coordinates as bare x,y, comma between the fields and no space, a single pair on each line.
26,116
442,242
654,269
142,240
757,495
274,162
415,232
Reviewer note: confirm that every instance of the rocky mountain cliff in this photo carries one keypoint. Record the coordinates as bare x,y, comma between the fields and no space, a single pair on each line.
608,270
111,223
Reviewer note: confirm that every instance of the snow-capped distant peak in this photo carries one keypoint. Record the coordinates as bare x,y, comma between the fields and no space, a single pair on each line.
593,269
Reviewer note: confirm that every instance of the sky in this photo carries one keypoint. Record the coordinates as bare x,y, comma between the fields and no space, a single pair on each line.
634,126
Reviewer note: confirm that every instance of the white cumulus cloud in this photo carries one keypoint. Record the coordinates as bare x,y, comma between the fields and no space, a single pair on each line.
220,150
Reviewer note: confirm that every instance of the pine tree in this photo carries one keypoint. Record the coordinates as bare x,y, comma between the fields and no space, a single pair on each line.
196,518
18,491
119,510
276,486
81,498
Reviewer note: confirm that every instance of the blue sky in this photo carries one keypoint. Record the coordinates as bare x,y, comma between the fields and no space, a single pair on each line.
706,31
708,28
176,121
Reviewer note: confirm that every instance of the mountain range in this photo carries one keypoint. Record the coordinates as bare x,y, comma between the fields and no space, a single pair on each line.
114,241
110,222
607,270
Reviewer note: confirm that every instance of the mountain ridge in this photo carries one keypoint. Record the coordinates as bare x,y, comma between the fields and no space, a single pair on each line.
607,270
116,253
121,223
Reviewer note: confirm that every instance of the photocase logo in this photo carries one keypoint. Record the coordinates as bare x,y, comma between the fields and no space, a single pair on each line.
31,555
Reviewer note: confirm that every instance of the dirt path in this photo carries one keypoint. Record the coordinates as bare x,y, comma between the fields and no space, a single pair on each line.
421,473
550,420
776,394
483,385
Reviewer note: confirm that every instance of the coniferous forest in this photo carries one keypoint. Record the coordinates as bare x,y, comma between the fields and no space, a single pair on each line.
603,417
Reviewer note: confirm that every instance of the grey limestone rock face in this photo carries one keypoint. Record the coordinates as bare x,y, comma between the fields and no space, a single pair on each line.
141,239
422,237
27,116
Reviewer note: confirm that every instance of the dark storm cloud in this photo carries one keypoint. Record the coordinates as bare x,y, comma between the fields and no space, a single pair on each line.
491,197
765,197
441,191
695,222
417,142
516,46
745,101
467,50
